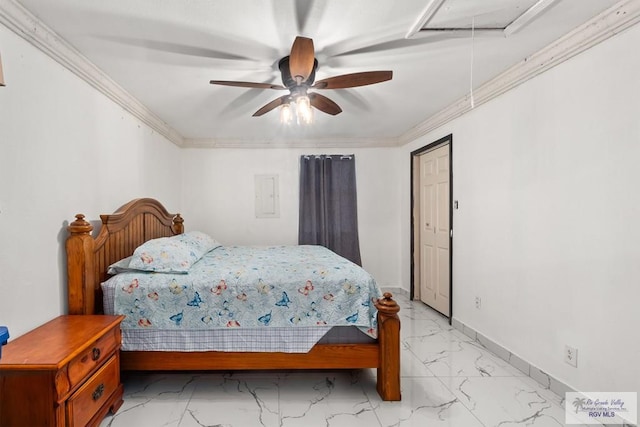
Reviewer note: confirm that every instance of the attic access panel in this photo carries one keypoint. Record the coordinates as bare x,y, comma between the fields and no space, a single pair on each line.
486,14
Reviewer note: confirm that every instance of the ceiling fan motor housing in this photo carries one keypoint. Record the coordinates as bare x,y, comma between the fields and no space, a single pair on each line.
288,81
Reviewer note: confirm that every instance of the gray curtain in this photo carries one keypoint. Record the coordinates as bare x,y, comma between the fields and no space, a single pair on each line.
328,209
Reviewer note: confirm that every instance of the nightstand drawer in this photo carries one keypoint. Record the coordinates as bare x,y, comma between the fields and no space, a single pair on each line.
93,357
90,398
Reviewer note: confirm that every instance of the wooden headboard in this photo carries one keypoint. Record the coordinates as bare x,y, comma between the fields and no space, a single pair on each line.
121,233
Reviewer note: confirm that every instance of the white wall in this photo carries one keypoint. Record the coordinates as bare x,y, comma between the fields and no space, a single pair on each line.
219,191
64,149
548,229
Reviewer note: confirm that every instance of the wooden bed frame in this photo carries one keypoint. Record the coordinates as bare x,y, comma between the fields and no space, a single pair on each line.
143,219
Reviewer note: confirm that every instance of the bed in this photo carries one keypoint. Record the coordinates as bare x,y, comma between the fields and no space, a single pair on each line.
142,220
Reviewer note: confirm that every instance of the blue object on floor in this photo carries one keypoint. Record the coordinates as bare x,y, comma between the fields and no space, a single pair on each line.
4,336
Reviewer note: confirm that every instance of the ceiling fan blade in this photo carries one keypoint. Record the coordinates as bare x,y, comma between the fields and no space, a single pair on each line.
423,38
301,59
354,80
302,11
324,104
179,48
270,106
247,84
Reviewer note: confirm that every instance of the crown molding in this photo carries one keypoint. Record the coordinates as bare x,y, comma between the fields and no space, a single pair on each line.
608,23
22,22
289,143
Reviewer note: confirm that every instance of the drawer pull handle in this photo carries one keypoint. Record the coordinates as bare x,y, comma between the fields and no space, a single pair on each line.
97,394
95,353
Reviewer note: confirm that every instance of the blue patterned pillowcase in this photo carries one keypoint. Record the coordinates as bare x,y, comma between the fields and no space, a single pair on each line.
172,254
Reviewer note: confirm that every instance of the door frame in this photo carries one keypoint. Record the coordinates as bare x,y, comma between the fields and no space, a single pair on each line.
414,155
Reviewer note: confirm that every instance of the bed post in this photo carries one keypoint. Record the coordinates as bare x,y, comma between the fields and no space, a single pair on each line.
388,382
178,224
80,267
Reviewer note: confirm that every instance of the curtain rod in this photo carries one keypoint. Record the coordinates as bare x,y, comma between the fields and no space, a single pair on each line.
329,156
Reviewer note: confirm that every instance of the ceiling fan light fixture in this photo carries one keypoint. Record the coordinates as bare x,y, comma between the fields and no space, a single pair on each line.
304,110
286,115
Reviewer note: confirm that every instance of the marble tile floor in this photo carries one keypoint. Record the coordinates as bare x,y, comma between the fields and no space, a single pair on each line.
447,380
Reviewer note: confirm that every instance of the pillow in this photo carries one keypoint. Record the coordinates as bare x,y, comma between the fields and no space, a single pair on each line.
172,254
198,241
121,266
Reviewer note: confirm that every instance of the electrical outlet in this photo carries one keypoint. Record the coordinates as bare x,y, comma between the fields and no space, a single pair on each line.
478,302
571,356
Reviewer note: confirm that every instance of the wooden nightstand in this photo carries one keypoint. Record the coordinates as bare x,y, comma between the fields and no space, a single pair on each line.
64,373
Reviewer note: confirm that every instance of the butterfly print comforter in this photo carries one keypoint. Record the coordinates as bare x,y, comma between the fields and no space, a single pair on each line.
252,287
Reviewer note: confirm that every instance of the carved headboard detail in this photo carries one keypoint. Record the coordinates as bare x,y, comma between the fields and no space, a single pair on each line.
121,233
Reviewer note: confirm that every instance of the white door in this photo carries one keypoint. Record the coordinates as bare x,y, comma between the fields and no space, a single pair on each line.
434,229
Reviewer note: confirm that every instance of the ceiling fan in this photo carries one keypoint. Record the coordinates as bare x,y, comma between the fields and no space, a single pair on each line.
298,72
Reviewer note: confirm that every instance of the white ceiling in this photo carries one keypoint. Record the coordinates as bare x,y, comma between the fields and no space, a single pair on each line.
164,52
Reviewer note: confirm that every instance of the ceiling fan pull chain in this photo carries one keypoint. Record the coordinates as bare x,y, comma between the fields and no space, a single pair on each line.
473,31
